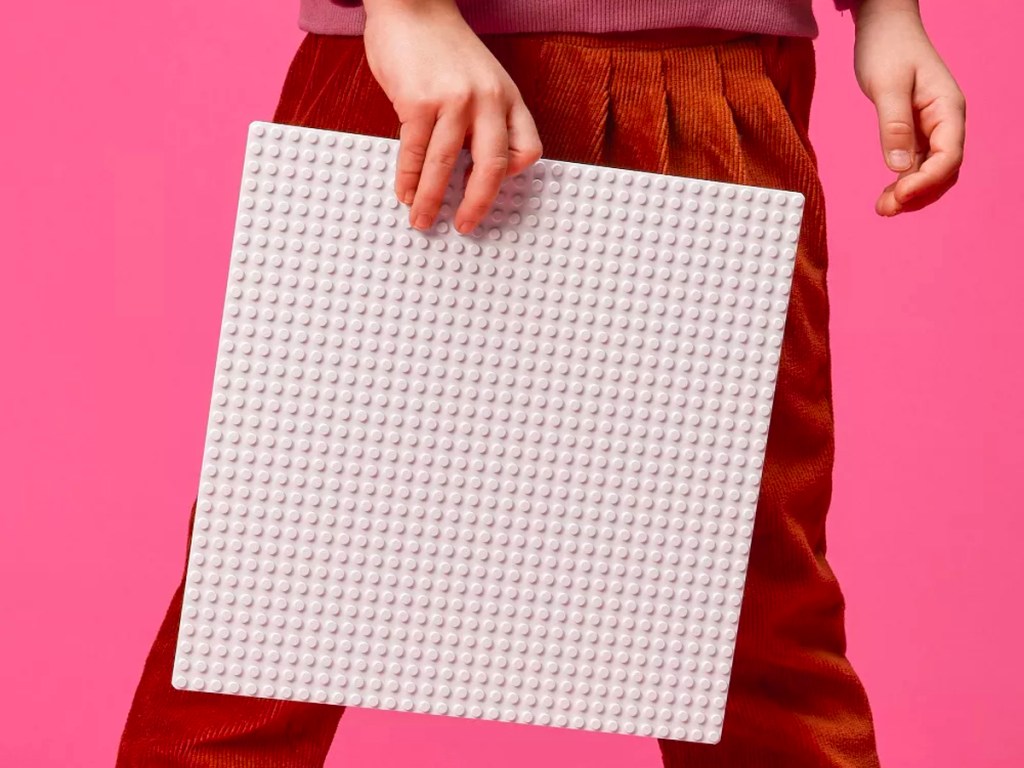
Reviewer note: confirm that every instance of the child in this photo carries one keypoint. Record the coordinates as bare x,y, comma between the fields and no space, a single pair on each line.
721,90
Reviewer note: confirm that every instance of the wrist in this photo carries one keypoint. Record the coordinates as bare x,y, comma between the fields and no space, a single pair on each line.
867,10
392,7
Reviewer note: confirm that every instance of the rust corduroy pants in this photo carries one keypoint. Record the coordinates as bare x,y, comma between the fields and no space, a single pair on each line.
689,102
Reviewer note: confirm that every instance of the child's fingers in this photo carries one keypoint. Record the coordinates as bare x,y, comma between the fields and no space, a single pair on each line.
924,199
936,173
945,156
489,147
414,137
887,204
524,142
896,125
446,142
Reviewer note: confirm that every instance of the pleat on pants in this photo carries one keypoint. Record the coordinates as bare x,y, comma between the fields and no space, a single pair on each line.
698,103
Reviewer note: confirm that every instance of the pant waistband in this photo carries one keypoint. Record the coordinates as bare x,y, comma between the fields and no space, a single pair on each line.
676,37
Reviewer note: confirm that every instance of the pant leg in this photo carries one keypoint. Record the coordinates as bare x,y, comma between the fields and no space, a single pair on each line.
794,700
738,111
169,728
328,85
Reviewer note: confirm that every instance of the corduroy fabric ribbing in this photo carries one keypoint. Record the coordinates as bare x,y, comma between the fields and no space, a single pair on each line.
688,102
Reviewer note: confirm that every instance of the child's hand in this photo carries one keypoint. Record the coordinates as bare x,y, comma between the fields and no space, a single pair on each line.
445,85
921,111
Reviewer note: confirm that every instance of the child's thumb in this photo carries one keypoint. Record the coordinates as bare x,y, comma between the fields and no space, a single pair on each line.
896,128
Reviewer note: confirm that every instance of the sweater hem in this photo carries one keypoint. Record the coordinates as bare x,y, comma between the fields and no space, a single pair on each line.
529,16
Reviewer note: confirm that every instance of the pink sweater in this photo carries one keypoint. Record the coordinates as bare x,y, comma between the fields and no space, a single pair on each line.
776,17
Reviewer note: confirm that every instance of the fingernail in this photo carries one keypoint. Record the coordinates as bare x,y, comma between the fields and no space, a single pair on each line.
407,198
422,221
465,227
899,159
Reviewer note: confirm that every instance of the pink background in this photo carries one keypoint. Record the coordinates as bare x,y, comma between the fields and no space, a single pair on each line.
124,125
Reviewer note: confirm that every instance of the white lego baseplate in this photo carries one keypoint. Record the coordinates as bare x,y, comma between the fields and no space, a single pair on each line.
508,476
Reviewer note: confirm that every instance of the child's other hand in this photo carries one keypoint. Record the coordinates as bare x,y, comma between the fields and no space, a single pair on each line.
921,110
446,85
